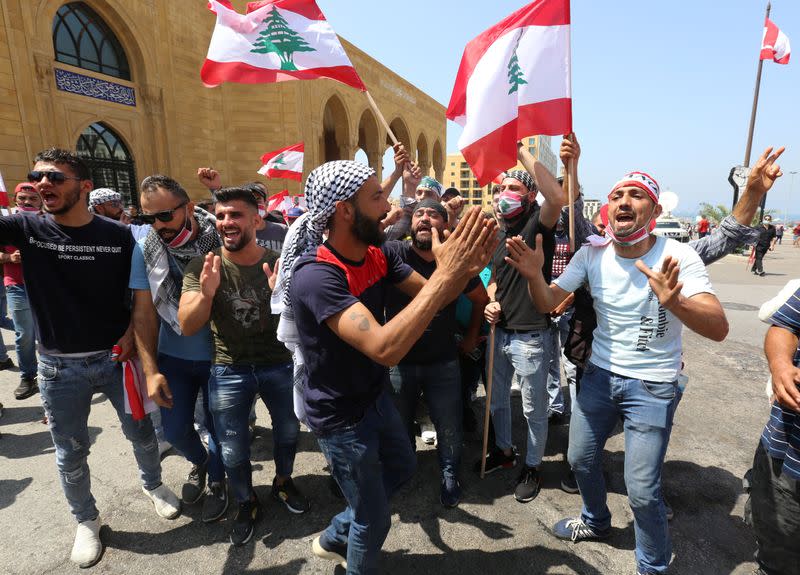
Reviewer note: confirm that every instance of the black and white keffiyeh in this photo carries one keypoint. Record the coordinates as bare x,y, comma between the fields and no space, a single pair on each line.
523,177
166,280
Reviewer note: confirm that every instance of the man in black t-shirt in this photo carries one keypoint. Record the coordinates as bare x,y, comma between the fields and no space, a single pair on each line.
431,366
335,299
766,242
77,263
523,339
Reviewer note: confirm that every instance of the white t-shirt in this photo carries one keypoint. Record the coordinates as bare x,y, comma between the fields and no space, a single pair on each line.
635,337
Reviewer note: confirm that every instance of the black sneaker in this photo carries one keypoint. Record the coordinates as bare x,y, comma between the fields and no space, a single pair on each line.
325,549
216,502
469,420
195,484
574,529
247,516
568,483
528,485
6,364
27,387
290,496
451,492
496,459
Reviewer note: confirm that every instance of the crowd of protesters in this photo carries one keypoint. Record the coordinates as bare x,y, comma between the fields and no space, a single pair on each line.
342,316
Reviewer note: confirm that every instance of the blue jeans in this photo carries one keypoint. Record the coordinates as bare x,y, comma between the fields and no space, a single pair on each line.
370,461
528,355
186,378
647,409
441,385
25,340
67,386
231,390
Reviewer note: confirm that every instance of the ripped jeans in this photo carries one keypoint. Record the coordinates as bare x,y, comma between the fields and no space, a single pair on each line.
67,386
231,391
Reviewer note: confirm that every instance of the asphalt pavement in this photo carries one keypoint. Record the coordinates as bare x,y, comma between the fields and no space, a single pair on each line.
716,431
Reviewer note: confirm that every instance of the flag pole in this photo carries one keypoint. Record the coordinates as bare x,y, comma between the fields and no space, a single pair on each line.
571,200
489,370
749,146
375,109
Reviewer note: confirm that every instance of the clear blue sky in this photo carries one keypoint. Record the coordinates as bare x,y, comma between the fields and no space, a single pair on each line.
664,87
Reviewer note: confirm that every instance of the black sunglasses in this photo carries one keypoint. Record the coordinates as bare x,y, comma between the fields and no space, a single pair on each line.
165,216
54,177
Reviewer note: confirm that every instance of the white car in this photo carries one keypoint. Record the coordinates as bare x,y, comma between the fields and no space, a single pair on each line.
670,227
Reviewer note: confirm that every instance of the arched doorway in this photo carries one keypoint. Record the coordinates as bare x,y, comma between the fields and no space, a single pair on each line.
438,161
423,159
109,160
368,140
335,132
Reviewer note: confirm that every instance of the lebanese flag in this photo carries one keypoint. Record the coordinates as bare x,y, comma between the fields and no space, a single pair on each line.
514,81
3,194
284,163
275,41
775,44
134,386
275,201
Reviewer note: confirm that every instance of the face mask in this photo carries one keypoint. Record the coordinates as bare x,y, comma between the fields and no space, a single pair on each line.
509,204
184,235
632,239
262,210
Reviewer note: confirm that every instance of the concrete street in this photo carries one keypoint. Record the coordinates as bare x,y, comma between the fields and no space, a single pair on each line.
717,427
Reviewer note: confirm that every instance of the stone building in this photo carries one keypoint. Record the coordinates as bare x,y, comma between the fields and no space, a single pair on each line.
119,81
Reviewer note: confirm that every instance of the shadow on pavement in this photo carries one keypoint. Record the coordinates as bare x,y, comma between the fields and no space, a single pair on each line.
15,446
10,488
22,414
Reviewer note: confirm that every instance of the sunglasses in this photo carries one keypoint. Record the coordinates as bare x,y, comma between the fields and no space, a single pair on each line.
54,177
165,216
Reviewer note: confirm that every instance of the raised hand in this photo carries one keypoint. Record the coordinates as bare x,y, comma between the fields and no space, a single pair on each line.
210,276
401,158
526,261
765,171
469,247
210,178
412,174
665,283
570,149
272,273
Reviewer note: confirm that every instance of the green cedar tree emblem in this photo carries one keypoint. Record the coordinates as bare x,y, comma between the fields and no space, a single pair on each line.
278,161
515,76
278,38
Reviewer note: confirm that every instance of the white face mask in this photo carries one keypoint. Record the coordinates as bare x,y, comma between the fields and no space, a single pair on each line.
632,239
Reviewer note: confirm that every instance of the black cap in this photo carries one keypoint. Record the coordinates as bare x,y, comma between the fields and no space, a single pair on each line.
450,193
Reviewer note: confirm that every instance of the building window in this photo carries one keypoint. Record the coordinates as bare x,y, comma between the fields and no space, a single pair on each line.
81,38
532,150
109,161
531,141
464,166
452,164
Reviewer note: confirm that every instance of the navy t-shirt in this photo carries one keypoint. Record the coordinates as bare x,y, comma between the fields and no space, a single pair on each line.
438,343
341,382
76,279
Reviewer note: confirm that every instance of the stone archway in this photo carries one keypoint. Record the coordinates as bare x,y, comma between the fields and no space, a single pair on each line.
335,138
400,129
438,160
423,157
368,140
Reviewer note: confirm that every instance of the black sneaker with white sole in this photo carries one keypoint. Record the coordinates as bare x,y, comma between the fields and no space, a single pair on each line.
195,484
496,459
290,496
216,502
528,485
244,523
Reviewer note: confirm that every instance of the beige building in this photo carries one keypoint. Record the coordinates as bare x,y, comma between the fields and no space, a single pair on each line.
457,173
119,81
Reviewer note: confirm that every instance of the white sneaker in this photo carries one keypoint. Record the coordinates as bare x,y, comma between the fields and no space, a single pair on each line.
516,390
87,549
165,501
429,437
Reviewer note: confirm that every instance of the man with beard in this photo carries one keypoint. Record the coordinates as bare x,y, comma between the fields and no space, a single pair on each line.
75,358
431,366
523,339
176,366
108,203
333,294
645,289
228,286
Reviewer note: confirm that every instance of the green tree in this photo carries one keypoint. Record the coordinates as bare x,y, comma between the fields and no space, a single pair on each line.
515,76
719,212
278,38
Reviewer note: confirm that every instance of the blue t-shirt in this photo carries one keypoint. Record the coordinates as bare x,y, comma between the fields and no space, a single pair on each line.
340,381
197,347
781,436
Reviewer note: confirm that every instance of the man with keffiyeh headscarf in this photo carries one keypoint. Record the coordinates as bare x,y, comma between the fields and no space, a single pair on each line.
333,302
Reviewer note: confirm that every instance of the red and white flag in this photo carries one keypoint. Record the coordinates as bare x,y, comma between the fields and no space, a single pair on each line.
134,386
275,41
275,201
514,81
3,195
284,163
775,44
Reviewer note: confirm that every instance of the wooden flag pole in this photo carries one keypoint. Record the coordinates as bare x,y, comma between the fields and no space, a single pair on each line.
571,200
375,109
490,370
